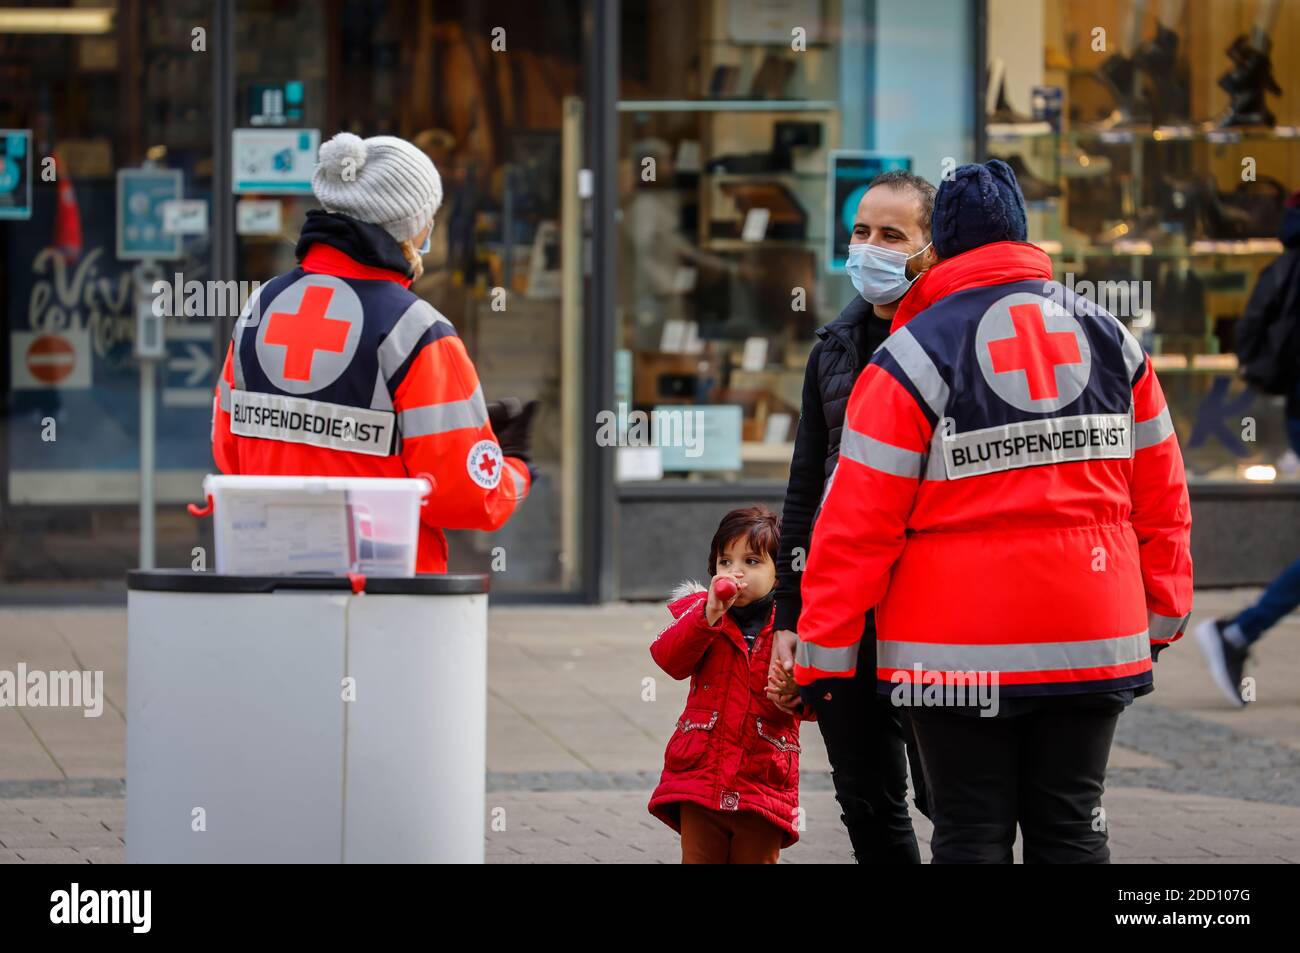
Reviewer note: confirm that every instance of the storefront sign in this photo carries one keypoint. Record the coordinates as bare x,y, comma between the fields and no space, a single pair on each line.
276,104
698,438
141,195
274,160
15,173
254,217
851,172
185,217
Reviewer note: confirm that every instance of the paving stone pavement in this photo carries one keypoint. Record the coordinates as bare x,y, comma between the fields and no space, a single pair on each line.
578,716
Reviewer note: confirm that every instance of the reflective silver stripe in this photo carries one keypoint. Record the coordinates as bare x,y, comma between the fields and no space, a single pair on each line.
918,367
935,469
381,399
406,333
250,317
879,455
440,418
1026,657
520,481
1148,433
1164,627
1134,357
223,395
826,660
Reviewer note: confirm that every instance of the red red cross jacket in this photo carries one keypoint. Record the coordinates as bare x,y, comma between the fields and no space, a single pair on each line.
336,369
1010,494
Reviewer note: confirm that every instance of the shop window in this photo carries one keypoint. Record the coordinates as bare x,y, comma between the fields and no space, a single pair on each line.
747,132
1156,145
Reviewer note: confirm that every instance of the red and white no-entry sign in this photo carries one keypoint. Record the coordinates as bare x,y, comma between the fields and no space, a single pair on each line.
50,359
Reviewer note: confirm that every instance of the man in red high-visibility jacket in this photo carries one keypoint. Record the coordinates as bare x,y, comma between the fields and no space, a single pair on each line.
337,369
1010,497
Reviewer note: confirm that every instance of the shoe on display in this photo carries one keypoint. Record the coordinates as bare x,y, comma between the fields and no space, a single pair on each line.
1002,118
1227,662
1119,75
1034,188
1251,210
1078,164
1246,83
1170,100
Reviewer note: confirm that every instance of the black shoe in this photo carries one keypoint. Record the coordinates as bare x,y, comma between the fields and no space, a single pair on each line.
1118,73
1246,83
1169,98
1226,661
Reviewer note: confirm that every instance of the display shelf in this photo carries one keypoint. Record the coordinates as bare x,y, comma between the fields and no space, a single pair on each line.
727,105
1250,248
756,451
751,176
1126,135
741,244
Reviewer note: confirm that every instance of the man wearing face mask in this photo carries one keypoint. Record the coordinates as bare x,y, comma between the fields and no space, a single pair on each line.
337,369
864,734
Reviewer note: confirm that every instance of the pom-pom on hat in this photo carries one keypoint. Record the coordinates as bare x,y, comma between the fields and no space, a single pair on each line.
978,205
382,180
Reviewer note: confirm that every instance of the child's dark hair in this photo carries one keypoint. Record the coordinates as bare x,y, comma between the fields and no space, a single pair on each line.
760,527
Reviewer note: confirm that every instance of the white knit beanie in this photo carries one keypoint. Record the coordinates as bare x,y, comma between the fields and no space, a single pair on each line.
382,180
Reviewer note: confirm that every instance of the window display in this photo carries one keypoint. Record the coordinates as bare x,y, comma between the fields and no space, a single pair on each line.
1156,144
747,130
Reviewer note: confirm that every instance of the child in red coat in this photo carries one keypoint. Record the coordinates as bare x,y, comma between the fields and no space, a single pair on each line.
730,784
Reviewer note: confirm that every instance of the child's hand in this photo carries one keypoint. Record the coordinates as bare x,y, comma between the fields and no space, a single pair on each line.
715,608
780,681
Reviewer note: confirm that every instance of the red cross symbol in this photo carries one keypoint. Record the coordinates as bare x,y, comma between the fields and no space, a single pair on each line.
487,464
308,331
1034,350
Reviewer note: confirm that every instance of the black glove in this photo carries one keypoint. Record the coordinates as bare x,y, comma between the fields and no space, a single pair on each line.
810,695
512,422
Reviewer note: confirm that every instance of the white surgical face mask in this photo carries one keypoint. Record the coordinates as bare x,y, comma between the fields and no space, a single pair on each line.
428,242
879,274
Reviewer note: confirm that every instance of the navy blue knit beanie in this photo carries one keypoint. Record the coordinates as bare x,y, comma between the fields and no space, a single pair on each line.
978,205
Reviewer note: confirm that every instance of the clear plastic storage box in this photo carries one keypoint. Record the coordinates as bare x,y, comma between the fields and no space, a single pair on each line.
293,524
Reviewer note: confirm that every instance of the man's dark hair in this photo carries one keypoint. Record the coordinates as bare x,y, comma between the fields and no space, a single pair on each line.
900,179
760,527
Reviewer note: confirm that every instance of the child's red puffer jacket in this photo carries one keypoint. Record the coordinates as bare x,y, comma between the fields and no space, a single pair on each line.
733,750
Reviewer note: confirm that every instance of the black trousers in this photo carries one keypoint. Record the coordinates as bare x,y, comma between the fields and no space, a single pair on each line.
1043,769
866,741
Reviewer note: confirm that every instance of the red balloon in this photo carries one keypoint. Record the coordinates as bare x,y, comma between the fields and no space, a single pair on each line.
724,589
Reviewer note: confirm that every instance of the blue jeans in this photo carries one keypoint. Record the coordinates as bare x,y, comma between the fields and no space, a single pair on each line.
1283,593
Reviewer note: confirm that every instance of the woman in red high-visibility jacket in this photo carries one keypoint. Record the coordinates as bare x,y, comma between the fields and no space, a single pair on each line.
337,369
1010,497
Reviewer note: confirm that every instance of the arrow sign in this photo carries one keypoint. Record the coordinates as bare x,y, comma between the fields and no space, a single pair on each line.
190,358
195,360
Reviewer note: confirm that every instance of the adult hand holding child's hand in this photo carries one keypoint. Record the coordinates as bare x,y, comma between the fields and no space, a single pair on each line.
781,688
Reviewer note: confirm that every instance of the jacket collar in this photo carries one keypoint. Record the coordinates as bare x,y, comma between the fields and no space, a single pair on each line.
697,594
999,263
336,244
853,329
325,259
